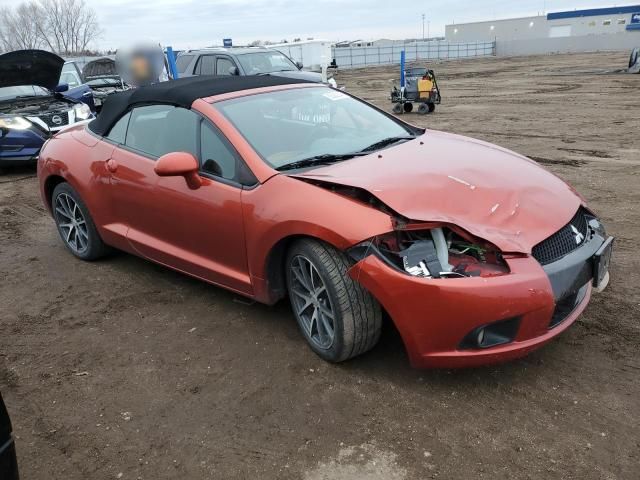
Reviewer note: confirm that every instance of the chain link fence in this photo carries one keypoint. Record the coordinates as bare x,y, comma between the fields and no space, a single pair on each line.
354,57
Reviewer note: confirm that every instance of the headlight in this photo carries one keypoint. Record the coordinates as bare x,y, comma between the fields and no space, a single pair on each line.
435,253
14,123
82,111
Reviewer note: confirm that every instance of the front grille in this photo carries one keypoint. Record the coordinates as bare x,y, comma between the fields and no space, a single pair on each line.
48,119
564,241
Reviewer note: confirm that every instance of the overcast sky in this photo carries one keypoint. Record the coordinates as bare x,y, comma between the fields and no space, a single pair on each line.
198,23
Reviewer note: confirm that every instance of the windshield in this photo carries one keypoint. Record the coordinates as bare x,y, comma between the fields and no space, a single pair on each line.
9,93
288,126
265,62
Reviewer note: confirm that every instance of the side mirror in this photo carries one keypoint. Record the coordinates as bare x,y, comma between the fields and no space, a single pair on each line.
62,87
234,71
179,164
299,65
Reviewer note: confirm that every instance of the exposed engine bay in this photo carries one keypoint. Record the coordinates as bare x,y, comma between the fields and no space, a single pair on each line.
440,253
434,253
35,106
100,92
424,251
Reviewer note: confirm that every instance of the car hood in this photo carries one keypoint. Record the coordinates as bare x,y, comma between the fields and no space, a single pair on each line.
300,74
102,67
489,191
30,67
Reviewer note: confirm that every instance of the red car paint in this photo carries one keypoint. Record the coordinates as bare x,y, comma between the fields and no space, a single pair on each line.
491,192
432,316
488,191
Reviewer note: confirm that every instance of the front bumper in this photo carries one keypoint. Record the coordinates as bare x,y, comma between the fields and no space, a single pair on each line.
20,147
433,316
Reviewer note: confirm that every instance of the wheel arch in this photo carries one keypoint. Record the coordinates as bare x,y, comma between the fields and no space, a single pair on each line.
51,182
273,271
275,265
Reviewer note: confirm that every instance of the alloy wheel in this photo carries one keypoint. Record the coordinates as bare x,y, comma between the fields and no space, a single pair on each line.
71,222
311,302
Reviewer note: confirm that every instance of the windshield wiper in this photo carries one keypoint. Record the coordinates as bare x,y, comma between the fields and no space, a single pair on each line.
324,159
385,142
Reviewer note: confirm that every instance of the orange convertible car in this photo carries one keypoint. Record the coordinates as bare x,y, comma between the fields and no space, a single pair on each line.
272,187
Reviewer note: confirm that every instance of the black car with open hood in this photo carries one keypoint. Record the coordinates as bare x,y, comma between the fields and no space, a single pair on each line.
102,76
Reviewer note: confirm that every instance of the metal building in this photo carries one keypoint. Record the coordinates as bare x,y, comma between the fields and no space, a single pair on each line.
610,28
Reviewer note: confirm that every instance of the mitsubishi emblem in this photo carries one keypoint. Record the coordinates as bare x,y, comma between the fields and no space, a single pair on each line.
577,234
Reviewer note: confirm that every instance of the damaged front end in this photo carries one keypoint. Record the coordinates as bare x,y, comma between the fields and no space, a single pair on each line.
422,249
434,251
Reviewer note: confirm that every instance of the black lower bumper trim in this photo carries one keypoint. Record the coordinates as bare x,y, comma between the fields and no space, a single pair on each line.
18,161
567,305
569,274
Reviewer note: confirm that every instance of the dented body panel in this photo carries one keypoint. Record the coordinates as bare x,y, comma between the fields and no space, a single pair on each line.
489,191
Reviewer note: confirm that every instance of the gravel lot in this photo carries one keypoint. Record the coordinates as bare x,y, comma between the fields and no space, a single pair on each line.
124,369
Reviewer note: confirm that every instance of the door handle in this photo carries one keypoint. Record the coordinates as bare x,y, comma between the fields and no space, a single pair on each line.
112,165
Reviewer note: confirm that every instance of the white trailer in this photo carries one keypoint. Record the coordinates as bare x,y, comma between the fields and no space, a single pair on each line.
312,54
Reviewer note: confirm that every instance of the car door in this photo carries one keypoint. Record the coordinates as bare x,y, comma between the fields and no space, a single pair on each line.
224,64
206,65
199,232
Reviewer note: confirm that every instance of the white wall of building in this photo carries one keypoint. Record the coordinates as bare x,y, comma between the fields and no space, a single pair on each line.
612,22
573,44
515,28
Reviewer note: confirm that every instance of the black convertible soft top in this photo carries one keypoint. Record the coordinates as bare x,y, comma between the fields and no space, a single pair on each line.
181,93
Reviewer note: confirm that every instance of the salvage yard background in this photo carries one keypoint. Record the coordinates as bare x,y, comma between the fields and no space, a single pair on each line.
124,369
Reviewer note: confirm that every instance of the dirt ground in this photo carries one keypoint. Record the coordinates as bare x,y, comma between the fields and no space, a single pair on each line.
124,369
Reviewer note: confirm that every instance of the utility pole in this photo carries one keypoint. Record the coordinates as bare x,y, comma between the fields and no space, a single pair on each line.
428,28
423,17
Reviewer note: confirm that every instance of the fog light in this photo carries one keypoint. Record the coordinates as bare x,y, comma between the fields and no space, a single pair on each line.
486,336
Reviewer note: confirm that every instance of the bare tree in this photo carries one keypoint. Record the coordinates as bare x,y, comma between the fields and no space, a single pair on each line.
63,26
18,29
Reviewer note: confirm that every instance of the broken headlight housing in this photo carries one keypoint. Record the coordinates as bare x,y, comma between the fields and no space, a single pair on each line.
435,253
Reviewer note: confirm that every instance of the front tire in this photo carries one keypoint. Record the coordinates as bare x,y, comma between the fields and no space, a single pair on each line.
338,318
75,225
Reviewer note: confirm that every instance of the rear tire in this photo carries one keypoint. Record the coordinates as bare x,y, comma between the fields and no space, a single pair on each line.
397,108
432,107
75,225
423,109
338,318
408,107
